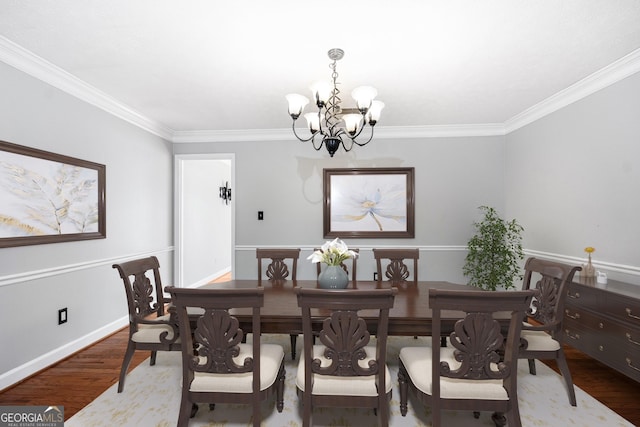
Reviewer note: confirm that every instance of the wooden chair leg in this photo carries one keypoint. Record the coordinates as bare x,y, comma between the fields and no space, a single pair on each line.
125,365
294,339
404,390
153,358
532,366
513,417
566,374
280,390
186,410
499,419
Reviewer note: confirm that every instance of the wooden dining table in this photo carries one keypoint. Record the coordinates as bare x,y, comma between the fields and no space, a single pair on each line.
410,315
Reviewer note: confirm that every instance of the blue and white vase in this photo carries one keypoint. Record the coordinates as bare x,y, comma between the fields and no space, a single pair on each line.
333,277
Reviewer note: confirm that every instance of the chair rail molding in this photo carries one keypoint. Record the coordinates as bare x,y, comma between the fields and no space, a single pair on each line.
28,276
609,266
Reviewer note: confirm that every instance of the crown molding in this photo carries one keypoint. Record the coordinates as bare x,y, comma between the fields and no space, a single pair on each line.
389,132
23,60
612,73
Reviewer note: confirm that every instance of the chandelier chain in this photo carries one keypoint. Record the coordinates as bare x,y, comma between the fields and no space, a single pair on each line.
333,109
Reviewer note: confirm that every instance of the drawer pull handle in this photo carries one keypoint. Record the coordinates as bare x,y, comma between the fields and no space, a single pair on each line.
572,336
631,340
574,296
629,364
628,310
570,316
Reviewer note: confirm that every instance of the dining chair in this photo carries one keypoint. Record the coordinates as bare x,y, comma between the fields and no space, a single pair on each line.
469,374
150,326
343,264
281,264
216,366
397,270
343,370
542,335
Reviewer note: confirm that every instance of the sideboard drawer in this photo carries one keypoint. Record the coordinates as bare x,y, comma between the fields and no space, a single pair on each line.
625,362
581,295
584,339
625,336
578,316
625,309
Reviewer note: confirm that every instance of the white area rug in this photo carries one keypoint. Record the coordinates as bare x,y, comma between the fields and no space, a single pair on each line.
152,397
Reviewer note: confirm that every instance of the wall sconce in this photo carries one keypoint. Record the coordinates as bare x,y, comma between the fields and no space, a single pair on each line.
225,193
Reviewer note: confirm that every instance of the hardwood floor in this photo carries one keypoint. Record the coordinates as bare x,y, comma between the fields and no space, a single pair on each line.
79,379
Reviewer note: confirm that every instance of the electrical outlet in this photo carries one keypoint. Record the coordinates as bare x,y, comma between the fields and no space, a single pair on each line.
62,316
375,276
260,215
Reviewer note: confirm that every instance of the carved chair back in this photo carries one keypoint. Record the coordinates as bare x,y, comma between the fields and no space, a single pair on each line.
212,342
552,280
143,287
344,336
277,270
397,270
344,265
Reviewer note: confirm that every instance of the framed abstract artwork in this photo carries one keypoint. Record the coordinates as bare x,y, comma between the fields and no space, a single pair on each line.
369,202
49,198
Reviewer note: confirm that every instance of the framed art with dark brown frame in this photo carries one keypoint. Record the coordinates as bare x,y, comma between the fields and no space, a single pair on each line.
369,202
49,198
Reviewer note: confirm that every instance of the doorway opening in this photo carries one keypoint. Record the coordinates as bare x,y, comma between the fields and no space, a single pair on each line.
204,231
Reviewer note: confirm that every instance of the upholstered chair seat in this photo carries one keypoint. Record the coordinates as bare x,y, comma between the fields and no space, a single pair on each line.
339,386
150,333
414,360
271,357
540,341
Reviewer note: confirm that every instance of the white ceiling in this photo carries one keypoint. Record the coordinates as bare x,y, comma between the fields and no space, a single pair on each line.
178,66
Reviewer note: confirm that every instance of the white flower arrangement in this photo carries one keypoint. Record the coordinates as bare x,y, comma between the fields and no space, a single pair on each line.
332,253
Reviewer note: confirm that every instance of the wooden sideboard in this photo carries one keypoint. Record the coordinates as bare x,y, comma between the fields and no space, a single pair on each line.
603,321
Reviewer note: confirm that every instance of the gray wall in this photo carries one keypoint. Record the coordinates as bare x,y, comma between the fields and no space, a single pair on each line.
573,180
284,179
36,281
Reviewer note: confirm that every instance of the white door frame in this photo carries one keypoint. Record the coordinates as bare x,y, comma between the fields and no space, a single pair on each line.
179,165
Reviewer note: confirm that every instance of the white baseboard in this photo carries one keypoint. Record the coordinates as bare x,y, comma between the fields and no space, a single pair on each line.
24,371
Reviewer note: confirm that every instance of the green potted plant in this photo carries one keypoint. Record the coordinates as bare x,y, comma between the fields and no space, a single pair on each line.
494,252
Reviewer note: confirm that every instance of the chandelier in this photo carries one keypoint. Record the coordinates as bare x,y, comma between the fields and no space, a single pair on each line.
333,125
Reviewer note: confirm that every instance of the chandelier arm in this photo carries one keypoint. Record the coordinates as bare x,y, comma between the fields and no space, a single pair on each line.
313,143
353,140
293,126
344,146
